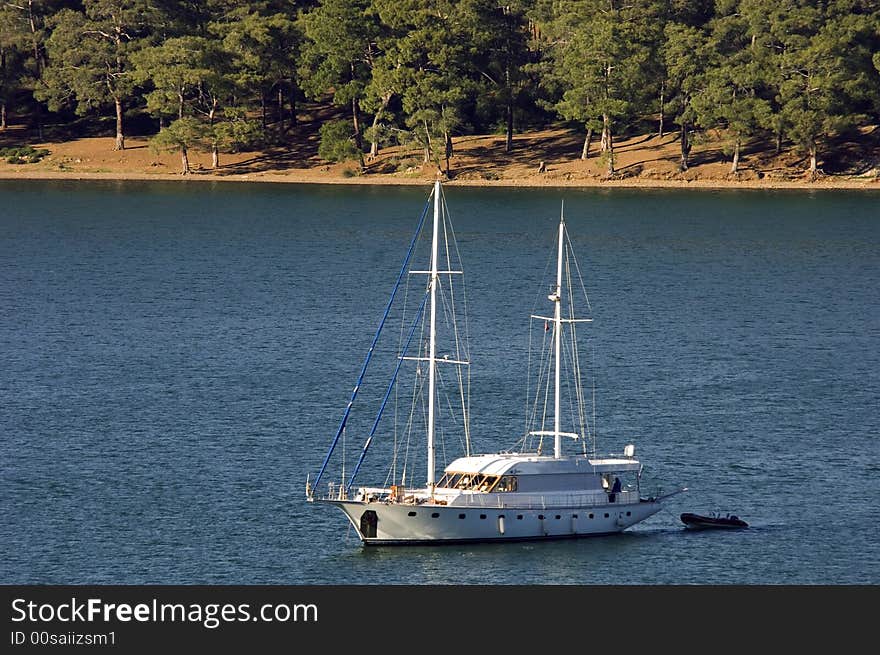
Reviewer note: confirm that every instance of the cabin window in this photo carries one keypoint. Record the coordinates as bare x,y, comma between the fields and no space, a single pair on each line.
540,517
449,480
435,515
591,516
629,513
469,481
519,517
574,516
506,484
411,514
482,516
461,516
606,515
558,517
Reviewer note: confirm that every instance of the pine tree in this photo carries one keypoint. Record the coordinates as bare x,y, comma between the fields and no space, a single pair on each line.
89,56
602,61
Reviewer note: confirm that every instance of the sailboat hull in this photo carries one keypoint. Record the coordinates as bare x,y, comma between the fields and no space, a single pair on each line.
387,524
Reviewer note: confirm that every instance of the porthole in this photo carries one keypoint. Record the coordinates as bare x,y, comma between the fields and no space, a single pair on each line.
574,516
540,517
461,516
591,516
606,515
519,517
435,515
629,513
411,514
558,517
482,516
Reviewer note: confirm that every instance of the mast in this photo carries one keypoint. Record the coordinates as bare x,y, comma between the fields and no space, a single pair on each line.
557,343
432,354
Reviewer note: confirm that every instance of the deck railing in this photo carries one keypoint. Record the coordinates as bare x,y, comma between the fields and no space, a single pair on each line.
495,500
542,501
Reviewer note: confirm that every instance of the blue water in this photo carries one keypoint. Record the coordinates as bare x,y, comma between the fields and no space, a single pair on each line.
175,359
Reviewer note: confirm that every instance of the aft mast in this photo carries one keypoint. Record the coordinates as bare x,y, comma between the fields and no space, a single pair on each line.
558,321
432,347
557,339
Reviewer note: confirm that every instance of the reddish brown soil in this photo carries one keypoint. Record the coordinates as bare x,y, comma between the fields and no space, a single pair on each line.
641,161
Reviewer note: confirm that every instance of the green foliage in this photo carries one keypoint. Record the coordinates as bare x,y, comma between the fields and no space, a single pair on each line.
23,154
182,134
421,71
337,142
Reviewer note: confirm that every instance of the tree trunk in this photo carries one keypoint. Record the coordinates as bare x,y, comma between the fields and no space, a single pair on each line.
263,116
215,148
356,122
38,53
508,141
427,142
685,146
120,136
292,102
374,143
813,167
610,153
184,159
604,141
778,141
735,166
448,140
662,112
180,104
585,151
280,108
2,102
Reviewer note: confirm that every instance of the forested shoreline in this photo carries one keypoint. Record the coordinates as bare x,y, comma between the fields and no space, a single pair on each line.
221,75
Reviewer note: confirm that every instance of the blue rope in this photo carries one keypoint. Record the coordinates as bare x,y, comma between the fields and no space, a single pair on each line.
357,386
409,337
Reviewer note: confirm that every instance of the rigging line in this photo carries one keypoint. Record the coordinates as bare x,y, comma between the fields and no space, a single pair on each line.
570,355
447,231
545,359
417,397
400,360
575,354
541,296
396,421
418,385
578,269
446,397
466,403
448,227
591,430
528,380
532,412
594,435
373,344
582,407
546,398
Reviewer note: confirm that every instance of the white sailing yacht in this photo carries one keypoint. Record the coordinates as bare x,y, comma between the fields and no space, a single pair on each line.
506,496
